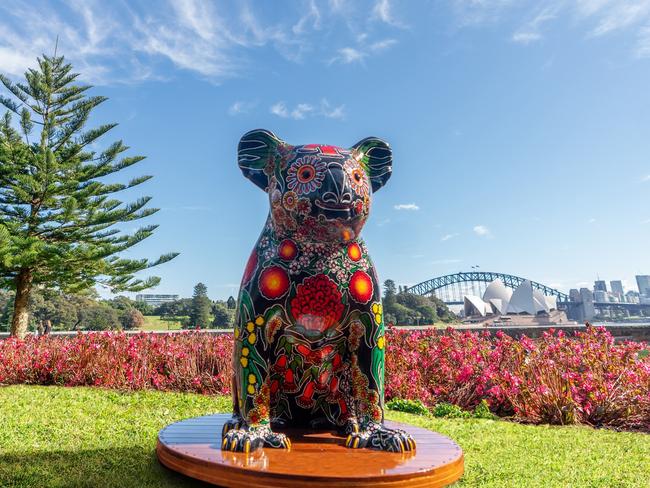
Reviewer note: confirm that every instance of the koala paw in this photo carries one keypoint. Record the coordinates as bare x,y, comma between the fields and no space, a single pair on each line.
250,438
375,436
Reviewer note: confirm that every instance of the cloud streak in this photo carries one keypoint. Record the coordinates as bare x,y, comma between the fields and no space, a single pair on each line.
303,110
406,206
134,42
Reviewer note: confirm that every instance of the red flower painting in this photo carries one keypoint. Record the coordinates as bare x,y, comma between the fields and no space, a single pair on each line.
287,250
317,305
273,282
354,251
361,287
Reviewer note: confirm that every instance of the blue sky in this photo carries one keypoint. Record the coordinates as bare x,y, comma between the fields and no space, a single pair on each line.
520,129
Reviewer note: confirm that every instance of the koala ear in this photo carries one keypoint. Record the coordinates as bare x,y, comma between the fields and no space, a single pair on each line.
257,150
376,158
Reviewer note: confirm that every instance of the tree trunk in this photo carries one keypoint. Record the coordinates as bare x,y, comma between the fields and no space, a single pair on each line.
20,320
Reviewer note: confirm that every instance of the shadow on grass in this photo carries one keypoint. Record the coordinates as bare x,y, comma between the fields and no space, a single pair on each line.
119,467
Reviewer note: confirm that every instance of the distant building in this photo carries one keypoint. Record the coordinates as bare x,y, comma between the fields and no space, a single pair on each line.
643,282
617,289
632,296
155,300
601,296
587,303
600,285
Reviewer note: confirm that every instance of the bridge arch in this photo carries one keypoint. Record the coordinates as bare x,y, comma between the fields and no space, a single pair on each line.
510,281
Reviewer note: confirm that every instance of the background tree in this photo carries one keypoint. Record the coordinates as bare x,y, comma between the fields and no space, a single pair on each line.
132,319
223,315
403,308
231,303
201,305
57,215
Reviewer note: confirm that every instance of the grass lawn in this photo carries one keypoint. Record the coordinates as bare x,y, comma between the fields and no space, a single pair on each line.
52,436
154,322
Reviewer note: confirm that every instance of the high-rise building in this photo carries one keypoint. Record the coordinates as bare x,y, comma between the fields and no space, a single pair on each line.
617,289
600,285
587,303
601,296
643,282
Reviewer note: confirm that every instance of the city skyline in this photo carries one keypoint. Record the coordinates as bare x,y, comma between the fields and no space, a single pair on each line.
518,130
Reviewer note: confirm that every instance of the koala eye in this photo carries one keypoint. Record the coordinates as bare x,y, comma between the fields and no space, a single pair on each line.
357,177
306,174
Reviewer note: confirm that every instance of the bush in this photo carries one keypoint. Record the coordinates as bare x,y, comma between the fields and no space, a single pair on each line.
448,410
408,406
482,411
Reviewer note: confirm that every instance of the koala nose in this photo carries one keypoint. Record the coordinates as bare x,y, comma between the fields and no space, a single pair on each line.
341,193
330,197
346,197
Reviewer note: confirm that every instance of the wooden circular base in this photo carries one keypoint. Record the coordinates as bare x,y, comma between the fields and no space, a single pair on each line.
193,447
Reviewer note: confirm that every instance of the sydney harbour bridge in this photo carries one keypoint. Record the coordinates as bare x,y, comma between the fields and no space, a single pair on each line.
452,288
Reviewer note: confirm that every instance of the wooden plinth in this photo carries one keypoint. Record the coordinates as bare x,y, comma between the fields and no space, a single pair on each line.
193,447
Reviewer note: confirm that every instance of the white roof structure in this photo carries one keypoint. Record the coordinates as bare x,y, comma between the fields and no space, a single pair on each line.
498,295
500,300
473,305
522,300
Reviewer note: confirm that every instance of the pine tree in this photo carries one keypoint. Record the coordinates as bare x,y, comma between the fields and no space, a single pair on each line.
57,215
201,306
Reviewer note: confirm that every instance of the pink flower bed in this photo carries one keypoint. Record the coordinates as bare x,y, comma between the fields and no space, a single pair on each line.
557,379
191,361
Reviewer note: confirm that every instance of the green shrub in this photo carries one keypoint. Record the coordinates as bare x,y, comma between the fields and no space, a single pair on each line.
482,411
408,406
450,411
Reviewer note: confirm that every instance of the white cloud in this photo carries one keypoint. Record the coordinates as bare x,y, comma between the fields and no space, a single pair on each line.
302,110
482,231
280,109
349,55
383,44
530,31
446,237
383,11
645,179
480,11
241,107
591,221
406,206
363,49
133,43
312,16
596,17
646,221
331,112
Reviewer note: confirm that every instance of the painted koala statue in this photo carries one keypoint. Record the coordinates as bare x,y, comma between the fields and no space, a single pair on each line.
309,332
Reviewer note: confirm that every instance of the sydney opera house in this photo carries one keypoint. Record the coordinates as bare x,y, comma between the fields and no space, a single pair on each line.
523,306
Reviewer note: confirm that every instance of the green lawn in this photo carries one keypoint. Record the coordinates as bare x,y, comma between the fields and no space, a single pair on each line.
154,322
62,437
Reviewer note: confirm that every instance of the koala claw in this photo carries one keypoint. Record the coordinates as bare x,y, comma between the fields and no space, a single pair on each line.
248,439
376,436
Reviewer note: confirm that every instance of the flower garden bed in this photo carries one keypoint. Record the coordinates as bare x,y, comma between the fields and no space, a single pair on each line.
583,379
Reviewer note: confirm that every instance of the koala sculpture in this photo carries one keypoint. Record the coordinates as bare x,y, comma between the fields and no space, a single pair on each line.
309,332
